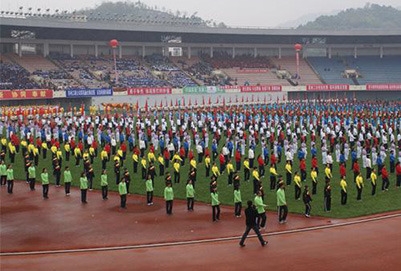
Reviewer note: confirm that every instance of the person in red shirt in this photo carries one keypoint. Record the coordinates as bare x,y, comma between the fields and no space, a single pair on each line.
302,167
273,160
261,163
124,150
343,171
166,157
94,146
182,155
356,170
314,164
222,160
398,173
237,160
385,181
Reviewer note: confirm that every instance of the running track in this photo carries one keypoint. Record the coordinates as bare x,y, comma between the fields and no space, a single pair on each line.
31,224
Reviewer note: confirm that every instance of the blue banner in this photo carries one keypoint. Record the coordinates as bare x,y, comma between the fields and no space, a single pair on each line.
79,93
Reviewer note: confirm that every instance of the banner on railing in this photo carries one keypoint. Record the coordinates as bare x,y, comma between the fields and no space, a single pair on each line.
81,93
336,87
252,71
383,87
26,94
203,90
264,88
149,91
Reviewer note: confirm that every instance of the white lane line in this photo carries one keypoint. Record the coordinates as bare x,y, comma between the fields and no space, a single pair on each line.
191,242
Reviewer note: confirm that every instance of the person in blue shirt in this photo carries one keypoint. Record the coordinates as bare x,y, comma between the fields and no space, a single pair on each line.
392,162
279,153
379,162
266,155
353,156
301,154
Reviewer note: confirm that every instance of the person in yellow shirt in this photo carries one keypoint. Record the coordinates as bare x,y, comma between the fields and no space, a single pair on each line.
135,160
177,157
12,152
143,163
120,155
343,185
78,156
45,148
273,179
247,170
373,180
207,165
67,150
161,165
105,158
288,171
53,149
92,154
151,157
256,180
327,171
230,172
359,186
215,171
192,164
313,175
298,186
176,166
4,144
24,146
36,156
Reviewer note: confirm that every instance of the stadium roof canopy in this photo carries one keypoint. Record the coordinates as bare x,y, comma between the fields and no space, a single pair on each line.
51,29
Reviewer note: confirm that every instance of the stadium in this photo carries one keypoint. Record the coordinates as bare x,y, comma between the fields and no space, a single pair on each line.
105,121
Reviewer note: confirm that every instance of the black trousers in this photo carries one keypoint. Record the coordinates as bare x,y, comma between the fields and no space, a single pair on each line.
3,179
297,192
308,208
359,196
247,230
273,182
392,167
238,208
176,177
67,156
373,189
238,166
327,204
255,186
161,168
149,197
169,207
45,190
303,175
261,171
230,178
32,182
123,203
282,213
10,186
83,195
143,173
190,204
398,180
207,171
216,212
343,197
385,183
105,190
67,187
368,172
246,174
261,220
289,178
104,164
44,153
57,179
135,167
314,188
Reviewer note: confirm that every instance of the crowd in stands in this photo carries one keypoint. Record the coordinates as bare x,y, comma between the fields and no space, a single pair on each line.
13,76
224,60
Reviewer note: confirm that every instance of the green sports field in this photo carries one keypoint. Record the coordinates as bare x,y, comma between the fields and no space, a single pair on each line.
382,202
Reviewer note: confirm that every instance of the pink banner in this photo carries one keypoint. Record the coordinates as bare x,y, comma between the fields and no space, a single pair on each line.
148,91
383,87
267,88
26,94
252,71
339,87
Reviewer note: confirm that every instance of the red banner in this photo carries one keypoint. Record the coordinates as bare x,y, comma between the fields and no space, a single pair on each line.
339,87
252,71
267,88
148,91
383,87
26,94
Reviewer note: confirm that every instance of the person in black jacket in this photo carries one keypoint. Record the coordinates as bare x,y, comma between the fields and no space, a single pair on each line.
251,214
307,199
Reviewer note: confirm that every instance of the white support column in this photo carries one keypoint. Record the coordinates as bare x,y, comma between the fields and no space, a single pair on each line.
329,52
96,50
120,51
255,52
355,52
45,49
189,53
381,51
19,49
279,52
143,51
233,52
71,50
211,52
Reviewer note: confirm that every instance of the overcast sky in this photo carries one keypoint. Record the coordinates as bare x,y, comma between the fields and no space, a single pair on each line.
263,13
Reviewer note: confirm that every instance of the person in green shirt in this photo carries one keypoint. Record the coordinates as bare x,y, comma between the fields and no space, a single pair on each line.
215,205
67,181
169,197
3,173
237,201
260,207
83,185
104,184
149,191
281,203
32,176
45,182
190,193
122,189
10,179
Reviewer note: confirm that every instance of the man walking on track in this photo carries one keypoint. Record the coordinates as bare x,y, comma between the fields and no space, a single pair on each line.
251,214
281,204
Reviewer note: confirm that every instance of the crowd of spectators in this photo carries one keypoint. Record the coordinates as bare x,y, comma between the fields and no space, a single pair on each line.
13,76
224,60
